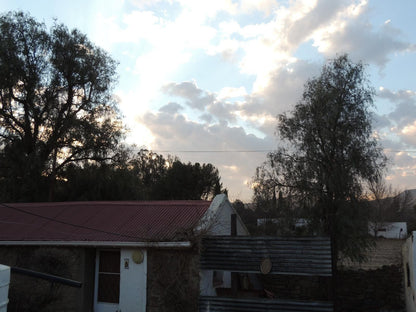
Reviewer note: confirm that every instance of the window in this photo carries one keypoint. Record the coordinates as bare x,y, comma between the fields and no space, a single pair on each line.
109,276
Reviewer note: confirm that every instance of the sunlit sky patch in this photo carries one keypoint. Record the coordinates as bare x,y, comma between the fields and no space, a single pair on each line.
212,75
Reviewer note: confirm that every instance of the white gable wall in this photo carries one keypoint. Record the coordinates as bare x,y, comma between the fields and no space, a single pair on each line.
217,219
219,216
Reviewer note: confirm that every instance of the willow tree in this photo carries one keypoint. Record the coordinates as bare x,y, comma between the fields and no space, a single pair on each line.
327,153
56,104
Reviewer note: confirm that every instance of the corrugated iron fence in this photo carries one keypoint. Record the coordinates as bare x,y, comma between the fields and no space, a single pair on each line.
310,256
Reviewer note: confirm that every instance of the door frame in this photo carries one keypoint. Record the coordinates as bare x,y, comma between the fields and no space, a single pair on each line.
103,306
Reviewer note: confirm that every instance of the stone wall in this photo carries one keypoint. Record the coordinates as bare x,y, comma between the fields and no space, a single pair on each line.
372,290
385,252
356,290
34,294
374,285
172,280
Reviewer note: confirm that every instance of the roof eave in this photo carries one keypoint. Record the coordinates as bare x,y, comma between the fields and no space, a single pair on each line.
167,245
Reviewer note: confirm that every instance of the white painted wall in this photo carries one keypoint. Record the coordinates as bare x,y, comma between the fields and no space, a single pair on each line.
4,287
217,219
409,268
132,284
206,286
205,283
394,230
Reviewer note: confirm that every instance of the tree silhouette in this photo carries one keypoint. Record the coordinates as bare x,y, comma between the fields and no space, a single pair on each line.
56,104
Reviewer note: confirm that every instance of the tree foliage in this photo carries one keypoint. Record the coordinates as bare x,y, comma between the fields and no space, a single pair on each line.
60,127
56,104
142,176
327,152
191,181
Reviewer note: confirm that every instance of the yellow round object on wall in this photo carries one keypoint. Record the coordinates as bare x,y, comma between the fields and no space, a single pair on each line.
266,266
138,256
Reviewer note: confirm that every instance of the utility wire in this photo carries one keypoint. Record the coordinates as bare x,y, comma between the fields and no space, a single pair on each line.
216,151
244,151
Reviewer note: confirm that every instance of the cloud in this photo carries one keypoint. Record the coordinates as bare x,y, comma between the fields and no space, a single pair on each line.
174,132
171,108
374,46
223,111
257,110
402,119
408,134
207,118
403,172
352,33
201,100
395,97
265,6
404,160
405,106
231,92
381,121
319,16
143,4
282,92
261,39
399,136
188,90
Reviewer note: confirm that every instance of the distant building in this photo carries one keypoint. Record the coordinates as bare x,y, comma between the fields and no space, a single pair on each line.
393,230
298,223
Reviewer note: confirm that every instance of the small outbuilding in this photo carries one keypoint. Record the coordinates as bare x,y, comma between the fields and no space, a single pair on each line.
128,256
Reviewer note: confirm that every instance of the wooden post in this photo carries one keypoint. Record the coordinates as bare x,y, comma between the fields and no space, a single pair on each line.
233,224
234,275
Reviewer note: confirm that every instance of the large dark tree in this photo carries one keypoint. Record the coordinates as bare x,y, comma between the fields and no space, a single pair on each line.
142,176
56,104
327,153
190,181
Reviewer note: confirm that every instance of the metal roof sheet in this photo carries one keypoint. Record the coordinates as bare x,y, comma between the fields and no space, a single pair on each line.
100,221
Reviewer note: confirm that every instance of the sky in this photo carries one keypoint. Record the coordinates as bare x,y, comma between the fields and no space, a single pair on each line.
205,80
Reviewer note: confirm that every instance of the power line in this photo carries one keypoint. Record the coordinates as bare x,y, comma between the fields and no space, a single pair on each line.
245,151
216,151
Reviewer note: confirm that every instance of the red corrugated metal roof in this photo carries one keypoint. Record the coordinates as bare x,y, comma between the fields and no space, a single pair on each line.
100,221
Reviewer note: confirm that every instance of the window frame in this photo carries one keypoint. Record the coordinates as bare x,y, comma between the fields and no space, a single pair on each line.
108,276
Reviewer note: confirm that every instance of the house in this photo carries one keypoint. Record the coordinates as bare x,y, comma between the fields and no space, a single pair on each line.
409,269
129,256
391,230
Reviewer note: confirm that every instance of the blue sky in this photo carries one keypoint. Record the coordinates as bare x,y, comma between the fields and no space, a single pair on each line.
212,75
